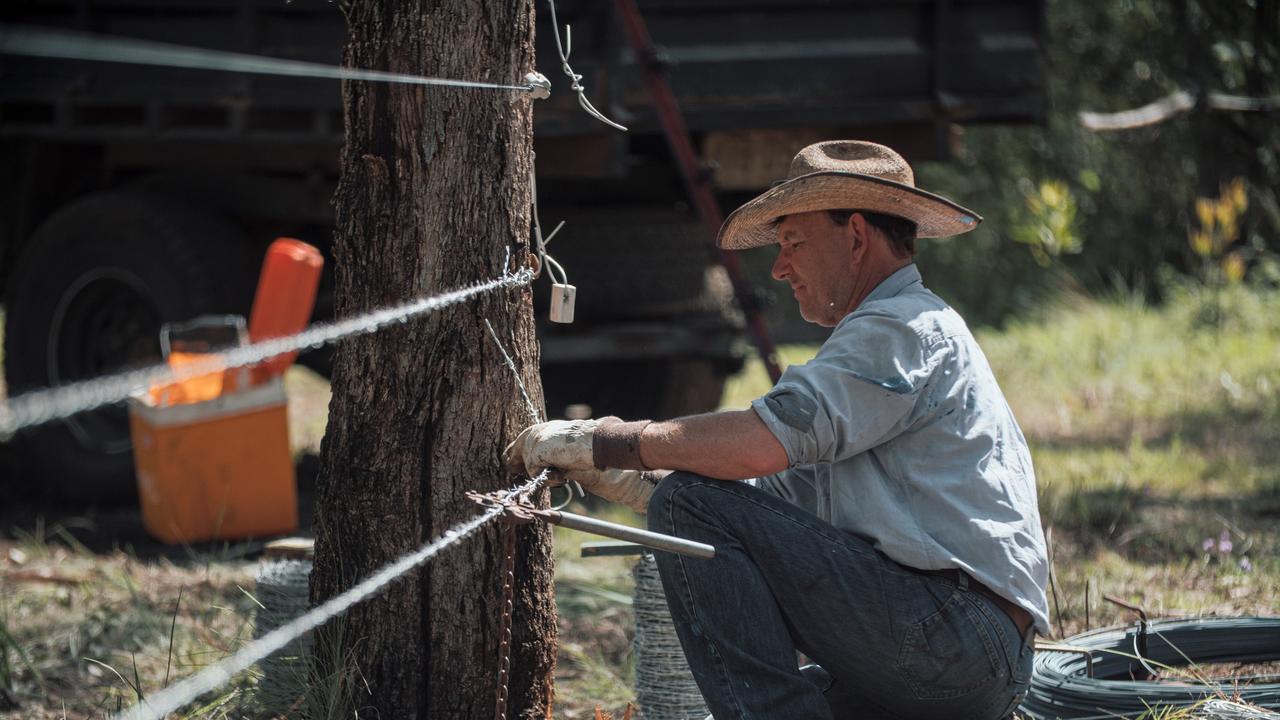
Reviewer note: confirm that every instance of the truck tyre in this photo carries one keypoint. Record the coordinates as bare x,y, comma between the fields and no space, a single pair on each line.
87,298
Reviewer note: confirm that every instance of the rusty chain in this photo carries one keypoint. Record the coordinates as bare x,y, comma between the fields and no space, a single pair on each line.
517,509
504,617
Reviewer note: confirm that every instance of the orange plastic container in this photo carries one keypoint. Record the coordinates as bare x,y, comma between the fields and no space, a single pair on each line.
200,387
285,298
215,469
194,345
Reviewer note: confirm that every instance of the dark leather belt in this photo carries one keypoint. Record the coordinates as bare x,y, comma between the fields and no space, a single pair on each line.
1020,617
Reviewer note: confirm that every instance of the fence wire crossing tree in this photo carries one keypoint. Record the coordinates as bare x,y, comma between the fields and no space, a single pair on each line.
434,190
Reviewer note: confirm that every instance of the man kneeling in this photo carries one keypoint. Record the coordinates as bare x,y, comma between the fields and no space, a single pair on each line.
888,526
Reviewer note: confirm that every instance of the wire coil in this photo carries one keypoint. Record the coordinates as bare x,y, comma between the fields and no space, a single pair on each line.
665,688
1060,687
283,592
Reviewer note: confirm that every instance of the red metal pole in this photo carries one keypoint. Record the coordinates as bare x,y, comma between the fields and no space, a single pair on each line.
695,179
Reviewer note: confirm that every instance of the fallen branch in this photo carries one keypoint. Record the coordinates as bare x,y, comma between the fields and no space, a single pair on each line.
1175,104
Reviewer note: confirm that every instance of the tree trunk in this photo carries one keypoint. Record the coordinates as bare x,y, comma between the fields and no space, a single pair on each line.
434,193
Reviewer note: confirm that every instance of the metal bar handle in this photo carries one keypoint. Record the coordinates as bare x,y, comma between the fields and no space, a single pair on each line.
656,541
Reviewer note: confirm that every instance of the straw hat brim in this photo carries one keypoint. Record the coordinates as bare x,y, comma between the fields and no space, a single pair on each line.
752,225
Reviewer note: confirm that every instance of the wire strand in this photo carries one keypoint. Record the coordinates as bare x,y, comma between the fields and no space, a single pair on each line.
574,78
159,705
41,42
530,408
540,243
41,406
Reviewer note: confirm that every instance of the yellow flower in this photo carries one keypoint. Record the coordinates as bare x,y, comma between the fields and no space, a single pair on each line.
1202,243
1204,211
1225,212
1235,191
1233,267
1053,193
1229,233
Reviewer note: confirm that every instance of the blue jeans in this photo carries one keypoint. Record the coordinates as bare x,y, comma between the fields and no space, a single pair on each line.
891,642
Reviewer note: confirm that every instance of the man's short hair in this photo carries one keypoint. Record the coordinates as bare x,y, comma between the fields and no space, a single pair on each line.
900,232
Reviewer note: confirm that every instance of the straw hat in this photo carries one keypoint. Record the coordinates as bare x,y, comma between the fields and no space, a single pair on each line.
845,175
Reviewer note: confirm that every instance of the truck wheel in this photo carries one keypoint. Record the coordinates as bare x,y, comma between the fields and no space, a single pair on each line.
88,297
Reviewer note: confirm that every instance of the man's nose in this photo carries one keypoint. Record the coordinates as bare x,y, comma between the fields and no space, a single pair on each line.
781,268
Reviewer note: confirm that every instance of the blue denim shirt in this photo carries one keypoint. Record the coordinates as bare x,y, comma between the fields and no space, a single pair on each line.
897,432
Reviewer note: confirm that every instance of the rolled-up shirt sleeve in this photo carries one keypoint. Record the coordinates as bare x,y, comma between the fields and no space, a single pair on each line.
795,485
856,394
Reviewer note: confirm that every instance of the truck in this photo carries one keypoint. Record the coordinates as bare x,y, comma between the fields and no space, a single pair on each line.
137,195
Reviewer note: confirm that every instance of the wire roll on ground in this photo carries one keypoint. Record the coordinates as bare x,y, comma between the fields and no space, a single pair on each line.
282,589
1060,687
665,688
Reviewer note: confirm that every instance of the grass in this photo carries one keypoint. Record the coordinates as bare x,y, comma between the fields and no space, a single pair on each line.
593,597
1153,431
98,632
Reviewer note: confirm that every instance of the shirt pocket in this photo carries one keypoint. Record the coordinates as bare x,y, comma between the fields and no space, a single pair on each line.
948,654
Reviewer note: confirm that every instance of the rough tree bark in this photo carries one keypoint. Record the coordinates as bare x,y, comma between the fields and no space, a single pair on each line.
433,194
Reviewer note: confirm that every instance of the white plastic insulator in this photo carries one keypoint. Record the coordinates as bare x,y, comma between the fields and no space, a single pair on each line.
562,301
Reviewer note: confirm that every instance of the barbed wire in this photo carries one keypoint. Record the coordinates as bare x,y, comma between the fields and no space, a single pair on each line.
45,405
35,41
174,697
41,406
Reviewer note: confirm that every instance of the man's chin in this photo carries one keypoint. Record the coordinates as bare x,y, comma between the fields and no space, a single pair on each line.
820,319
808,316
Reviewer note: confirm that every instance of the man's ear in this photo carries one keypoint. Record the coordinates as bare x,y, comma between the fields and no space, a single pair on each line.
859,236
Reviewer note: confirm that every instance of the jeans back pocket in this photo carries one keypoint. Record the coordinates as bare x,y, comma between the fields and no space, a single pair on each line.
950,653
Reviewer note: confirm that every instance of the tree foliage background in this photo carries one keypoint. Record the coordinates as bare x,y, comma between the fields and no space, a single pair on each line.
1071,208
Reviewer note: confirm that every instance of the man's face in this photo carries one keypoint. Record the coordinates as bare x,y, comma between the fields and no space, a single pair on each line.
815,257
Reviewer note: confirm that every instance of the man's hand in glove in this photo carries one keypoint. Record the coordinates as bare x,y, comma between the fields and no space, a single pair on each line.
627,487
576,445
563,444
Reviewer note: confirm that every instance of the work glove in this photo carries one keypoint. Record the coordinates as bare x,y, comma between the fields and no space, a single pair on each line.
563,444
576,445
627,487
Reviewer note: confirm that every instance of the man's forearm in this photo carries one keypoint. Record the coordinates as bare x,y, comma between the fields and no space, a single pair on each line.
732,445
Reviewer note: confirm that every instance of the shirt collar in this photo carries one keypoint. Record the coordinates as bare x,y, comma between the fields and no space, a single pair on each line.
893,285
